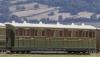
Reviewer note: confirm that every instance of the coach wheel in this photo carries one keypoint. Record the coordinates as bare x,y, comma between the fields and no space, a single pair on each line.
87,52
28,51
81,52
69,52
2,51
12,51
22,52
17,52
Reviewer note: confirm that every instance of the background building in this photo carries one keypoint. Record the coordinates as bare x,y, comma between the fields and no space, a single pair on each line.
51,11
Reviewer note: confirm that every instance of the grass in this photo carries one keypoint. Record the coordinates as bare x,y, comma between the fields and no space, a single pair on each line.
46,55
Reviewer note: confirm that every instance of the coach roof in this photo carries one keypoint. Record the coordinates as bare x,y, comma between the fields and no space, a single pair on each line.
2,25
58,25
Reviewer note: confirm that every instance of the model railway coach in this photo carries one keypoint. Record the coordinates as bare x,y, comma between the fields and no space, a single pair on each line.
51,38
2,38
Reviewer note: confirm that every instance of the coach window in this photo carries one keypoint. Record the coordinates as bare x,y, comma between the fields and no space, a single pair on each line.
87,34
47,32
67,33
17,32
20,32
83,34
31,32
93,34
39,32
23,31
75,33
35,32
28,32
61,33
90,34
51,33
43,33
56,33
80,33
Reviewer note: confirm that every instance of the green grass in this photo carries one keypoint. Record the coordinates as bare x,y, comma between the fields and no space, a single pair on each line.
46,55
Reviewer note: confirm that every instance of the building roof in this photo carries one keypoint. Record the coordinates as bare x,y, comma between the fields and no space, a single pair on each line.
58,25
32,12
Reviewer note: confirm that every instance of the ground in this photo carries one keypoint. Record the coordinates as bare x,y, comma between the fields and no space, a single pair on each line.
46,55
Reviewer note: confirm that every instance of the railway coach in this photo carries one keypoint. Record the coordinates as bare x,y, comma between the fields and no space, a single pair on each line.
27,37
98,39
2,37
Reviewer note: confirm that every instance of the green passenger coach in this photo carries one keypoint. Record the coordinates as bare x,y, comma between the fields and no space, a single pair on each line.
51,37
2,38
